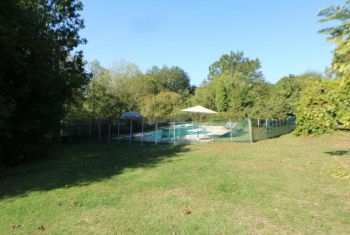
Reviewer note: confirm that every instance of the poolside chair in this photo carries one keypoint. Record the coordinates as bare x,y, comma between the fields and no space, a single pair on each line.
230,125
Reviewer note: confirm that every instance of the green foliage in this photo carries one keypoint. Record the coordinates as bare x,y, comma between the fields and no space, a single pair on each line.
286,93
204,95
340,34
236,62
161,105
317,111
235,85
222,93
325,106
258,98
167,79
39,75
344,107
124,88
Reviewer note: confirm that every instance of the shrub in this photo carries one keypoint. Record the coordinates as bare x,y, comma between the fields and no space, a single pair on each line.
318,108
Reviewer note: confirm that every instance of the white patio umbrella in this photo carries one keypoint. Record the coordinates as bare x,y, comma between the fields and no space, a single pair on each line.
199,109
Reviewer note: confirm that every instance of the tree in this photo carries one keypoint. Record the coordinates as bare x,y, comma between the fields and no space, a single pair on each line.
39,74
230,85
236,62
127,86
257,101
110,92
340,34
204,95
330,109
317,110
287,92
172,79
222,87
161,105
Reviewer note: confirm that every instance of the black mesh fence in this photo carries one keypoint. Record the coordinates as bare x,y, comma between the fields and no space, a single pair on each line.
165,131
270,128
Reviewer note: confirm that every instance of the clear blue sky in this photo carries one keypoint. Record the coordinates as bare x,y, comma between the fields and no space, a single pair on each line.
194,34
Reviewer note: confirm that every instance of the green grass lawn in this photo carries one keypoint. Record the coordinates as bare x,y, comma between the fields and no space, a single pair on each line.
285,185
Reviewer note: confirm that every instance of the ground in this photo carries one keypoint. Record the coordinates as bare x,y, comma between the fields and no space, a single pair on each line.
285,185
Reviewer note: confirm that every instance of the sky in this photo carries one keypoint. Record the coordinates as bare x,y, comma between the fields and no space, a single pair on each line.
192,35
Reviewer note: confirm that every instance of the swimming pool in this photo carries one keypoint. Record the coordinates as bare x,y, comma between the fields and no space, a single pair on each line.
167,134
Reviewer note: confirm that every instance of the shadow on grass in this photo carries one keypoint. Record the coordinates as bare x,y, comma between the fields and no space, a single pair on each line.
82,164
339,152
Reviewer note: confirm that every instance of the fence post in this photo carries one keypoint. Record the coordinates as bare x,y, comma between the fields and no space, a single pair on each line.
99,130
109,131
79,132
90,130
288,126
174,133
267,128
155,136
130,131
258,122
142,132
118,132
231,129
250,130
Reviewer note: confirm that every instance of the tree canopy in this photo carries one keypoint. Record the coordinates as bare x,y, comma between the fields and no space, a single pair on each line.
231,81
39,72
330,108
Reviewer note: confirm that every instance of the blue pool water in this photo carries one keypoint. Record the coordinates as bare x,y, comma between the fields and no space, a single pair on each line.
168,133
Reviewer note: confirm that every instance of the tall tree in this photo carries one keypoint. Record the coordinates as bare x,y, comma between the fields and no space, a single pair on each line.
39,74
161,105
229,84
325,106
172,79
287,91
340,34
222,93
236,62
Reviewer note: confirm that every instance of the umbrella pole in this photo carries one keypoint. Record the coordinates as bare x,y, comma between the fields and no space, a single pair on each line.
130,131
118,132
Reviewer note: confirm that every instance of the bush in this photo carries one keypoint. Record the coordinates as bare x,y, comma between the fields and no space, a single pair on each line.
318,108
161,105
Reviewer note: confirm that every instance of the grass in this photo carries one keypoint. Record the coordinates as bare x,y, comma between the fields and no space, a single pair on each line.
285,185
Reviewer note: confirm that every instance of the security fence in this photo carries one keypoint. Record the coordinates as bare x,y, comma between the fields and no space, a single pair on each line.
156,131
270,128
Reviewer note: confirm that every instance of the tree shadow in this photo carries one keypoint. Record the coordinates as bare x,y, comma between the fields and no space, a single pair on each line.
81,164
339,152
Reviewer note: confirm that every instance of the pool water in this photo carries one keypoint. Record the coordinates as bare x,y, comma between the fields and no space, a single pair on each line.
168,133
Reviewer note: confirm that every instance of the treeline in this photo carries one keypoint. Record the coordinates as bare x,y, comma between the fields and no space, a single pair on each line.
157,93
235,87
